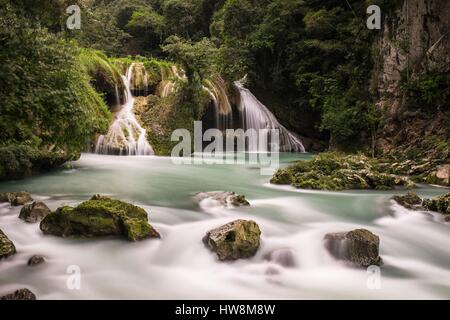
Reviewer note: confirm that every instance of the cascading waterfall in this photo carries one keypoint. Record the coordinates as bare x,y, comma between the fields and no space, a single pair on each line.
222,107
169,76
125,136
256,116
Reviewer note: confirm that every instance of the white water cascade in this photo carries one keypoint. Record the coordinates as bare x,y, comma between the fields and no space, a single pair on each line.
257,116
125,136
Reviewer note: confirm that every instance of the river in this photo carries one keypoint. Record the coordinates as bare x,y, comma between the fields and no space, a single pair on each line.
414,246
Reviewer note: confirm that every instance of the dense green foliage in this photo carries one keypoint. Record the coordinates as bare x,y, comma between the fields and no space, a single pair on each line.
47,99
316,54
429,91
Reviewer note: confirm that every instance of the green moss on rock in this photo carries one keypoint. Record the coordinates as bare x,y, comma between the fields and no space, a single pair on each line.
439,204
99,217
18,162
239,239
359,247
333,171
410,201
7,248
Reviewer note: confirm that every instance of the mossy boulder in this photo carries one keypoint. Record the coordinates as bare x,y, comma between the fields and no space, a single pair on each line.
7,247
97,218
439,204
34,212
21,294
334,171
410,201
239,239
18,161
16,198
224,198
359,247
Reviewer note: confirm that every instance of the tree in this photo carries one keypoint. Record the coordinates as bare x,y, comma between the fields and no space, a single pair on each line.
196,58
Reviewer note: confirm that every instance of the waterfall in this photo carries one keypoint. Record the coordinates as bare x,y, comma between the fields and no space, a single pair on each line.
169,76
256,116
223,112
125,136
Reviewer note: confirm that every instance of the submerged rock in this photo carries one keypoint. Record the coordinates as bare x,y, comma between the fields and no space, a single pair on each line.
97,218
36,260
239,239
225,198
21,294
16,198
360,247
283,257
410,201
7,248
34,212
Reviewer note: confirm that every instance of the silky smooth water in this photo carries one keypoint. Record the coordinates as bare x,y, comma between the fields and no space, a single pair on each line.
414,246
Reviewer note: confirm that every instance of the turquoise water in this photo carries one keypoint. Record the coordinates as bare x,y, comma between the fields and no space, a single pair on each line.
414,246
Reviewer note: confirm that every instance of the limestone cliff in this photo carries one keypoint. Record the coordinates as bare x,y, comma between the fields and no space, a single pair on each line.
415,41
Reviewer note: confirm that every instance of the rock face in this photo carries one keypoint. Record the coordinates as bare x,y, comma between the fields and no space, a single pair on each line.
36,260
22,294
410,201
16,198
34,212
415,41
360,247
7,248
97,218
226,199
441,176
239,239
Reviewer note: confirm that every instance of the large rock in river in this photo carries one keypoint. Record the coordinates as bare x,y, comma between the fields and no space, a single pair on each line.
360,247
21,294
7,248
34,212
99,217
16,198
239,239
410,201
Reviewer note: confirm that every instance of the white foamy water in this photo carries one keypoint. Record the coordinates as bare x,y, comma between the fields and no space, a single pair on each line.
414,246
257,116
125,136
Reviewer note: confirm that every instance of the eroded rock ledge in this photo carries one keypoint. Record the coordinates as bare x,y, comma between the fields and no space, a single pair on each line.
332,171
412,201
